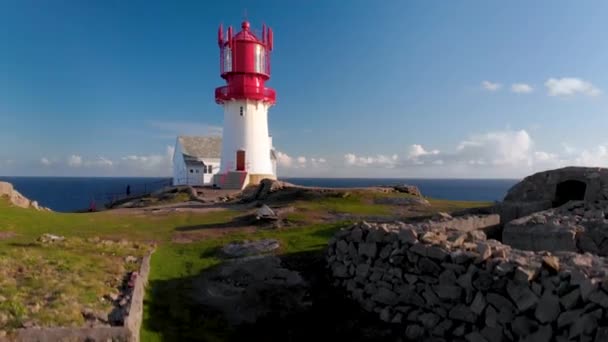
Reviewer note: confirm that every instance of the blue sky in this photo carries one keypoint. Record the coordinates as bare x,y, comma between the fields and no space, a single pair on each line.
365,88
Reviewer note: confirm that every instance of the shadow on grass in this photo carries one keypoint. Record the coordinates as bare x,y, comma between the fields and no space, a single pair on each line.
237,222
174,316
25,245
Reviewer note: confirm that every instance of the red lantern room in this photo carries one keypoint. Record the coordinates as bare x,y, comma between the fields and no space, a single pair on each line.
245,65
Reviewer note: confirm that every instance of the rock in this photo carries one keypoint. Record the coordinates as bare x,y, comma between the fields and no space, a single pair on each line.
475,337
491,317
414,332
448,291
428,266
522,326
463,313
484,250
246,289
265,213
385,296
543,334
368,249
569,300
408,189
442,216
408,235
566,318
585,324
50,238
522,296
429,320
599,297
478,304
129,259
250,248
548,308
356,235
523,275
551,263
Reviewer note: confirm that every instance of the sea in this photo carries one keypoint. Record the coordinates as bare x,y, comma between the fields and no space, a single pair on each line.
72,194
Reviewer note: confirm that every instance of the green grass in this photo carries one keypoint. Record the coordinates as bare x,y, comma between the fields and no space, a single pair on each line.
169,313
450,206
49,284
167,310
353,203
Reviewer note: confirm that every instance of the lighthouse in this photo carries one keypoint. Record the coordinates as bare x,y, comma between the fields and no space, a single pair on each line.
247,154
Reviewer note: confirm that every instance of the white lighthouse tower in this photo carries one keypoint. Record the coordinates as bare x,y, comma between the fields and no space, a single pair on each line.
247,152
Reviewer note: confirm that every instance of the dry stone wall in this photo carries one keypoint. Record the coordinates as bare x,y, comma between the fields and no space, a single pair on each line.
576,226
449,285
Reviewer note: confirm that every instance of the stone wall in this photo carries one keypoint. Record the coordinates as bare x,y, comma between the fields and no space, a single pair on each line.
455,286
541,186
576,226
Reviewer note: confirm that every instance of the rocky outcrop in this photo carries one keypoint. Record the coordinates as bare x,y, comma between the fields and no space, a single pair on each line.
449,285
407,189
17,199
246,289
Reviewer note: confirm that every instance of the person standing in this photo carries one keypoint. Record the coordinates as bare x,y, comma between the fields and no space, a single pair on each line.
128,190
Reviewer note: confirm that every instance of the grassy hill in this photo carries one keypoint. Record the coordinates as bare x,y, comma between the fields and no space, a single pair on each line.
80,270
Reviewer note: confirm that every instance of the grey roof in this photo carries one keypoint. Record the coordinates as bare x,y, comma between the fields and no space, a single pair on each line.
201,147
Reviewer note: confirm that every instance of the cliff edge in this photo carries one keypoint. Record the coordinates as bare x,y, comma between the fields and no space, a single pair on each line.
17,199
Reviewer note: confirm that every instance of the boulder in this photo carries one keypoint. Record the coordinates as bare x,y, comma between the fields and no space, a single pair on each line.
246,289
265,213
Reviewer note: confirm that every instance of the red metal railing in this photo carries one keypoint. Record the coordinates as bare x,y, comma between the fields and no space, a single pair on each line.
227,93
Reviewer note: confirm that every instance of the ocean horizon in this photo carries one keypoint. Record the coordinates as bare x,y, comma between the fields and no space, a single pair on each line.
70,194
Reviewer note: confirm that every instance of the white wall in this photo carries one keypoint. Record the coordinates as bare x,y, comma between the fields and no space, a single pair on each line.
248,132
181,171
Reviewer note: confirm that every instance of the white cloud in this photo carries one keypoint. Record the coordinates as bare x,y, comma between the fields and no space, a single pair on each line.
317,162
496,148
568,86
379,160
45,161
283,159
490,86
521,88
75,161
415,152
99,162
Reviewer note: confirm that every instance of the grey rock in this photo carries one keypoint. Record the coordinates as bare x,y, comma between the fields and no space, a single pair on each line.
523,297
368,249
463,313
547,309
475,337
569,300
408,235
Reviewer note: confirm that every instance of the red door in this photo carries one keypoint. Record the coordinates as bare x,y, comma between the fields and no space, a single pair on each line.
240,160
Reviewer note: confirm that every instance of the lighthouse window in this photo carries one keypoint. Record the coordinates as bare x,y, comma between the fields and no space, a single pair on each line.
227,59
260,59
241,110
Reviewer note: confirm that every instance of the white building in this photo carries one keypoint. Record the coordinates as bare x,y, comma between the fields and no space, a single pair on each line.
196,160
